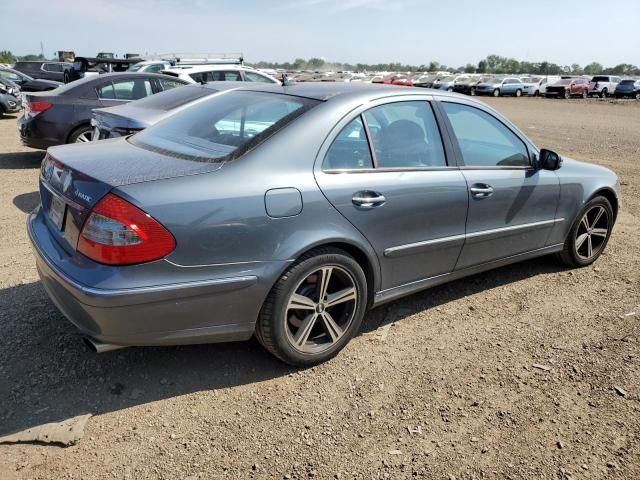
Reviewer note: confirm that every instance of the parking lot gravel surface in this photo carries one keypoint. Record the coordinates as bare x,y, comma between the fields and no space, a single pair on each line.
525,372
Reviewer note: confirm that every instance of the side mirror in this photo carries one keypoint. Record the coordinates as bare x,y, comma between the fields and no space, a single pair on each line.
549,160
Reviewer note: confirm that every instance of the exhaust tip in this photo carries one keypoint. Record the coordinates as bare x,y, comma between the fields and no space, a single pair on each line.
99,347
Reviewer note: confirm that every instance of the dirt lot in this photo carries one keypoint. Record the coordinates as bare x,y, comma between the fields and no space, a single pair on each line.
440,385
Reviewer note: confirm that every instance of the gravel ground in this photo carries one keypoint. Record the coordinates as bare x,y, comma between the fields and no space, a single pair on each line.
439,385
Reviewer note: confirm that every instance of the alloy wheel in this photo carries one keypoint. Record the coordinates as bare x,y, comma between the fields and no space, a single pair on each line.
84,137
321,309
592,232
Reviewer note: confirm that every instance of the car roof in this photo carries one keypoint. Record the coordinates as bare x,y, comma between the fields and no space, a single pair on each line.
326,90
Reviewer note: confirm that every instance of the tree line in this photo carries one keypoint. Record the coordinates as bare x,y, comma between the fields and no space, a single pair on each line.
490,64
7,57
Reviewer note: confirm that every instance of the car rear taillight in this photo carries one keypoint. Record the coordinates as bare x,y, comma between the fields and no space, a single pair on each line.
125,132
119,233
31,109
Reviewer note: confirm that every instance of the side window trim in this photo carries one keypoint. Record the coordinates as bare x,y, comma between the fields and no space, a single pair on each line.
458,151
367,132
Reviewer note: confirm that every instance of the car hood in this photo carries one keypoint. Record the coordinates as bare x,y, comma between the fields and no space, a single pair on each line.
116,162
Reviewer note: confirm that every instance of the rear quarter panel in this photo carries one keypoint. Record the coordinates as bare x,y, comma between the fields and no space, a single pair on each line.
221,218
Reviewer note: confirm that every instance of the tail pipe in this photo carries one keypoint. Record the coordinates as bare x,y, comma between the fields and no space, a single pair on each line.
100,347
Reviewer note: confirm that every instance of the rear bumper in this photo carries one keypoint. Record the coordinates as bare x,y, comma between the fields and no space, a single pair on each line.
36,136
10,104
202,311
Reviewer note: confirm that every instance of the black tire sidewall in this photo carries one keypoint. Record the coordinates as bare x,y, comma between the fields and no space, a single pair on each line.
570,244
284,288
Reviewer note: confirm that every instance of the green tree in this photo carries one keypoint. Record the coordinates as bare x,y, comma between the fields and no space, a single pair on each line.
482,66
434,67
593,68
32,57
316,63
576,69
470,68
7,57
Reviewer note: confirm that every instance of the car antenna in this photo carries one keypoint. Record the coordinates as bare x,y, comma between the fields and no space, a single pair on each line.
285,80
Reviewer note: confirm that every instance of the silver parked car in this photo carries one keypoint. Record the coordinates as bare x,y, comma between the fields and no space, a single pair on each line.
287,212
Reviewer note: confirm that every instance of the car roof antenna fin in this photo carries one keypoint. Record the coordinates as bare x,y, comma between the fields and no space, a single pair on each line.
285,80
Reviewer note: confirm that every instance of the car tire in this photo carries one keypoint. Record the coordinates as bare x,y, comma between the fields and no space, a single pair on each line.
496,92
450,89
637,96
536,93
81,134
286,330
472,92
518,93
589,234
567,94
603,93
585,94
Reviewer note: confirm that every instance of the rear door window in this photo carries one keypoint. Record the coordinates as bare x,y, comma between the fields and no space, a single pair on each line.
256,77
126,90
223,76
168,84
484,141
407,135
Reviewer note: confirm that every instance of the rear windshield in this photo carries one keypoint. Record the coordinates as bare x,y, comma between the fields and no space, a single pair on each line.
174,98
628,82
223,128
600,79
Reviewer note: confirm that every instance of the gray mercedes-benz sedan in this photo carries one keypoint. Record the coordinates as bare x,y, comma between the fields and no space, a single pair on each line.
287,212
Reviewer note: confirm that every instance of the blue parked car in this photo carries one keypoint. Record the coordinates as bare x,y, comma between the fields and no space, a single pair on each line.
628,88
501,86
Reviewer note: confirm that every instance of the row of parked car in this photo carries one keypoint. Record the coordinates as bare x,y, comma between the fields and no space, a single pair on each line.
542,85
57,113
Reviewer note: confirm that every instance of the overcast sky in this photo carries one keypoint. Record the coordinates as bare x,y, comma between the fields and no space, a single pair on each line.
453,32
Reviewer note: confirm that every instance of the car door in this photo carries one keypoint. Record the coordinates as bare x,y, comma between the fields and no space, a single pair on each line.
386,171
512,205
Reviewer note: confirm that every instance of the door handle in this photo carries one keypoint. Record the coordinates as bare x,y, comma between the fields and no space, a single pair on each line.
368,199
481,190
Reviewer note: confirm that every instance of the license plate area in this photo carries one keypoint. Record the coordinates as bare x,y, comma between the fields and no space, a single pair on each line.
56,212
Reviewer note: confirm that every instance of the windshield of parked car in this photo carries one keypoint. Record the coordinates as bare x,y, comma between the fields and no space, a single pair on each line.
447,79
223,128
135,67
494,80
566,81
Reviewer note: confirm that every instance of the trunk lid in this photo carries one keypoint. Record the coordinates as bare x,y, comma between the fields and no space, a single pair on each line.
74,178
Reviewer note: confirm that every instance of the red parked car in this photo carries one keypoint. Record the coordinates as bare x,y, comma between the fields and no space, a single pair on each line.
399,79
568,87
